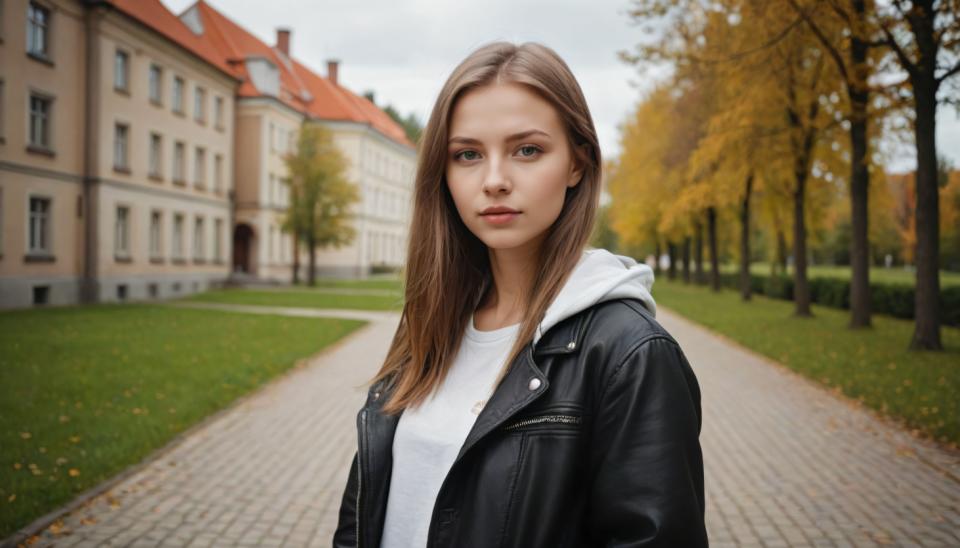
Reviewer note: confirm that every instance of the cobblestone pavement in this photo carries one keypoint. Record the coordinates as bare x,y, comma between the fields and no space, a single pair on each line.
787,462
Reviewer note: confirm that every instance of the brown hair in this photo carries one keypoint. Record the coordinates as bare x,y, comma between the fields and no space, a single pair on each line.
447,274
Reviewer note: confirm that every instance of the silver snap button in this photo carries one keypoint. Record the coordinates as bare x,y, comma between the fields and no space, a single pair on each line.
376,396
534,383
571,345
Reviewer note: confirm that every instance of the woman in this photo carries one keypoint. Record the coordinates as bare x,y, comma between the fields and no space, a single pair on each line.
529,398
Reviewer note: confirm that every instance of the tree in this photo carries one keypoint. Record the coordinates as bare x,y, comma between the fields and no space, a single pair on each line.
924,36
320,195
842,27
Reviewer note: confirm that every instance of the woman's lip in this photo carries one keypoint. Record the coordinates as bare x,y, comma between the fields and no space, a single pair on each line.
500,218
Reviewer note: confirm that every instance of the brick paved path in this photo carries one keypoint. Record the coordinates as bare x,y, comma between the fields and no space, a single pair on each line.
787,463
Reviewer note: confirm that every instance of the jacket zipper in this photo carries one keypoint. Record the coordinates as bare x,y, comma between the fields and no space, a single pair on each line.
363,438
559,419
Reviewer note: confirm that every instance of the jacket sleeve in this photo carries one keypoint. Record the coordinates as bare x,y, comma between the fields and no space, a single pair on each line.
345,536
646,463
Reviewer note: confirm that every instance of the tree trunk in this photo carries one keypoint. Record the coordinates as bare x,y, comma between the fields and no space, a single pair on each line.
859,179
714,257
296,258
698,252
672,269
686,259
801,290
782,251
745,290
657,251
312,266
926,335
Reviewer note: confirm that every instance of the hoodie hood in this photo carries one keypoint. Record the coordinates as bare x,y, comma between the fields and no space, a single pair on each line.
599,276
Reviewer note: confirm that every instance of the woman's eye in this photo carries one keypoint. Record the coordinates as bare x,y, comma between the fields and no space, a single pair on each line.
529,150
466,155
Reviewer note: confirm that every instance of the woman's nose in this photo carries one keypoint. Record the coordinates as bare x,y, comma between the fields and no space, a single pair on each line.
496,179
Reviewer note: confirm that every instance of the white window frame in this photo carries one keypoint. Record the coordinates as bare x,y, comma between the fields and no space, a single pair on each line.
198,238
42,49
218,103
121,70
121,231
47,121
156,234
179,162
199,104
44,226
218,173
176,100
155,84
199,167
121,146
176,244
156,155
218,240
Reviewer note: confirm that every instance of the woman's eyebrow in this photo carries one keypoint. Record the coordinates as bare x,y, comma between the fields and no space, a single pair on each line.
514,137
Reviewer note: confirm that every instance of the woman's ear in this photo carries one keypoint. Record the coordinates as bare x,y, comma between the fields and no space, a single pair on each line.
577,165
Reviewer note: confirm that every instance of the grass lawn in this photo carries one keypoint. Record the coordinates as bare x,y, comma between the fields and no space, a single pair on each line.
87,391
893,275
384,282
873,366
301,297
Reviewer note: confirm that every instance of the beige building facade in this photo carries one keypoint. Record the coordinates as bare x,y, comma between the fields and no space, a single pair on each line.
142,155
116,163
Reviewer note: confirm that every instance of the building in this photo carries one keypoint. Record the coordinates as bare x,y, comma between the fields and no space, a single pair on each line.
141,154
116,186
276,96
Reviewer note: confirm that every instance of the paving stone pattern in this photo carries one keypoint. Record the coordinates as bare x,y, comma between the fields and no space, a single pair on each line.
787,462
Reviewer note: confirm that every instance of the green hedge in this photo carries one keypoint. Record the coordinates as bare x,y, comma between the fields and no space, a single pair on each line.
892,299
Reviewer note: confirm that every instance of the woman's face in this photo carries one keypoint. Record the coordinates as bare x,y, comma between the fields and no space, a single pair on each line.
507,148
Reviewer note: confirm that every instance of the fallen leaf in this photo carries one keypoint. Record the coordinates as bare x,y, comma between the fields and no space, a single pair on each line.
74,472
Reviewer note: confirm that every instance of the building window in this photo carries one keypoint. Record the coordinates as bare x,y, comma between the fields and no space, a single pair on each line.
121,71
178,86
39,225
40,113
218,240
177,240
156,155
199,167
199,102
198,239
272,147
218,173
121,147
179,162
38,30
121,233
156,233
218,112
156,84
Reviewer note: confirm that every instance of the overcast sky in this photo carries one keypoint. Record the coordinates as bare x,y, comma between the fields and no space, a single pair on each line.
404,50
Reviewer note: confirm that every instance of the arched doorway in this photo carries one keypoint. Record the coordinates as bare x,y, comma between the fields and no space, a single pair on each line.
242,248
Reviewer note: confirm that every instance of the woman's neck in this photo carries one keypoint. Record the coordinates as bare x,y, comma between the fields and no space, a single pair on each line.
513,271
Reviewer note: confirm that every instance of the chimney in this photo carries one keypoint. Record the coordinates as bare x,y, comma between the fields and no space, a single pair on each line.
283,41
332,65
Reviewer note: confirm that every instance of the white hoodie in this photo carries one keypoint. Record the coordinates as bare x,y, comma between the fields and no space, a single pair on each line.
599,276
429,437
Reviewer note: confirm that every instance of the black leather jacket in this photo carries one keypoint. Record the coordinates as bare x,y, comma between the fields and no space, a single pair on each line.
603,451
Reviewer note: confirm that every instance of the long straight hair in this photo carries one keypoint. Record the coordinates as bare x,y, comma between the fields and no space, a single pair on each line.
447,274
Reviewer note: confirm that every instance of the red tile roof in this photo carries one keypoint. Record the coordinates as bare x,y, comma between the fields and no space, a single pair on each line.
300,88
156,16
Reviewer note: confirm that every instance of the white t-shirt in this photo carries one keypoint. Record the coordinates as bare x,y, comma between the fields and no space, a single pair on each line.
428,438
